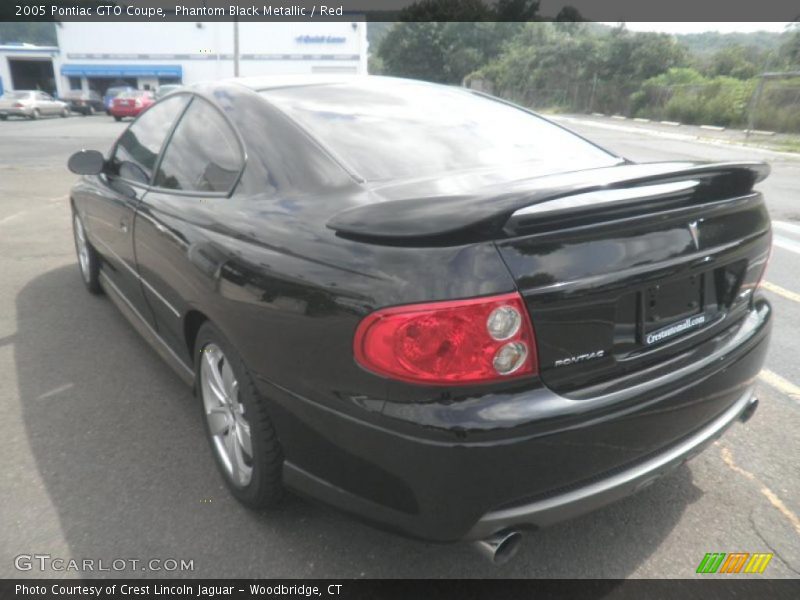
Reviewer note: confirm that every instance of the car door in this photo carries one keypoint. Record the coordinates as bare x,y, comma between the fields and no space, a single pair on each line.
175,252
45,103
110,209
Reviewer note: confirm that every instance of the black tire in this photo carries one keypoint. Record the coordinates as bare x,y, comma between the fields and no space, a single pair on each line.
90,273
265,487
118,118
65,113
3,117
35,114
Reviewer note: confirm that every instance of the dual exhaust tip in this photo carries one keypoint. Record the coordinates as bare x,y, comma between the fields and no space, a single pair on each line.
500,547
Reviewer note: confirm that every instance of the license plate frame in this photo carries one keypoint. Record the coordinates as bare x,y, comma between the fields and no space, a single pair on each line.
671,309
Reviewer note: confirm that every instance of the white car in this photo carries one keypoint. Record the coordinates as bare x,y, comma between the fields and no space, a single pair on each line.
31,104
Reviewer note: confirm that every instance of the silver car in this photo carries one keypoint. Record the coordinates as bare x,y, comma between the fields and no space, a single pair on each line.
31,104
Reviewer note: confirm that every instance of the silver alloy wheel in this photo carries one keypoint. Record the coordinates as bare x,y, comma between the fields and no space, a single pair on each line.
82,246
227,425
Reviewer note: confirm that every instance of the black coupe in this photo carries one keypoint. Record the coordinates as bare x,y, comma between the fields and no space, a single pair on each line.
427,306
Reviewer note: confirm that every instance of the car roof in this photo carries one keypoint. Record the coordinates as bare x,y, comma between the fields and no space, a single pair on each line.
272,82
279,81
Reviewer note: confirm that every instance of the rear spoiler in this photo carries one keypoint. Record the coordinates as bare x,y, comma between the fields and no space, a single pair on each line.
506,209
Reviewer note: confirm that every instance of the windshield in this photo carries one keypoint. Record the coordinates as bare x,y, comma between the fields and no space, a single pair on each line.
387,129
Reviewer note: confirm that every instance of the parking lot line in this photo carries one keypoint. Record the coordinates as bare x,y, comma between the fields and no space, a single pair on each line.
779,383
786,244
772,497
788,227
781,291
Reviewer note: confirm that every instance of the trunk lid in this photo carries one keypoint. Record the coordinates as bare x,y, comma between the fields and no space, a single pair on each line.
624,284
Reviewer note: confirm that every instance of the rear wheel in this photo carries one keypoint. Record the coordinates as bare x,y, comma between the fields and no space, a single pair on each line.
90,110
241,434
35,114
88,259
64,113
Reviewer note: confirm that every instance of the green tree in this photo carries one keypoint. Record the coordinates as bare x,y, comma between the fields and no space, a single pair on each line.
442,52
43,34
789,50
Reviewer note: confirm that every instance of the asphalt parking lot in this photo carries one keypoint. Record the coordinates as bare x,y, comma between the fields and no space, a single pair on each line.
102,452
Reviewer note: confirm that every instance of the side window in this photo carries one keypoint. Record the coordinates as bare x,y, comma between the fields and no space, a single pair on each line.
203,154
137,149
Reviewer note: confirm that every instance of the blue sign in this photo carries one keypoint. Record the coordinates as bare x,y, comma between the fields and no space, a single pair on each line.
103,70
320,39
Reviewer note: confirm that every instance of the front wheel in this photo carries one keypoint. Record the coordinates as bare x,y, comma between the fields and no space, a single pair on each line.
88,259
241,434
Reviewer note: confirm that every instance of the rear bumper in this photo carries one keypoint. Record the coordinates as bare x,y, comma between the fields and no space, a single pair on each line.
613,487
467,469
125,112
16,112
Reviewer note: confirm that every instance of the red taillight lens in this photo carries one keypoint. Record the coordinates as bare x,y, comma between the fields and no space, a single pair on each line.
18,105
456,342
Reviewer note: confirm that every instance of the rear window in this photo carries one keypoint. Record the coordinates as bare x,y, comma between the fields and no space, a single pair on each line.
397,129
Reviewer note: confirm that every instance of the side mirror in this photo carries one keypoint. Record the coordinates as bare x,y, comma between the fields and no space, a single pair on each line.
86,162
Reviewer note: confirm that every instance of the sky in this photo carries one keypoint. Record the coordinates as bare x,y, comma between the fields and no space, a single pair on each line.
704,26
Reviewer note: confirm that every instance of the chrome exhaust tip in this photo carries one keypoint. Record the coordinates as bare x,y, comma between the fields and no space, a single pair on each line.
749,410
500,547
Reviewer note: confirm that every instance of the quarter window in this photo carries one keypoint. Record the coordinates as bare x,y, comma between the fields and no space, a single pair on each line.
136,151
203,154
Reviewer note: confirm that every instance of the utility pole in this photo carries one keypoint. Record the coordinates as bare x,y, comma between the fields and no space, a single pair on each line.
754,106
594,88
236,47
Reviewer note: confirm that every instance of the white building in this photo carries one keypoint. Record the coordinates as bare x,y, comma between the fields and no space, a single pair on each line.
146,55
26,67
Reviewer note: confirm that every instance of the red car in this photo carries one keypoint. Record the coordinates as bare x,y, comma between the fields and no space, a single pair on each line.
130,104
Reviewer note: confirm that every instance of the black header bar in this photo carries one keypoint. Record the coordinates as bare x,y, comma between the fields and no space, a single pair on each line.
399,10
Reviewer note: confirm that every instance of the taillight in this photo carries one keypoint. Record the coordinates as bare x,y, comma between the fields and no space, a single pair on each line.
18,105
456,342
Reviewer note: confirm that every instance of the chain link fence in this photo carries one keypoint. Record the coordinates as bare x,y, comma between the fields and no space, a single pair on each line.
770,102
